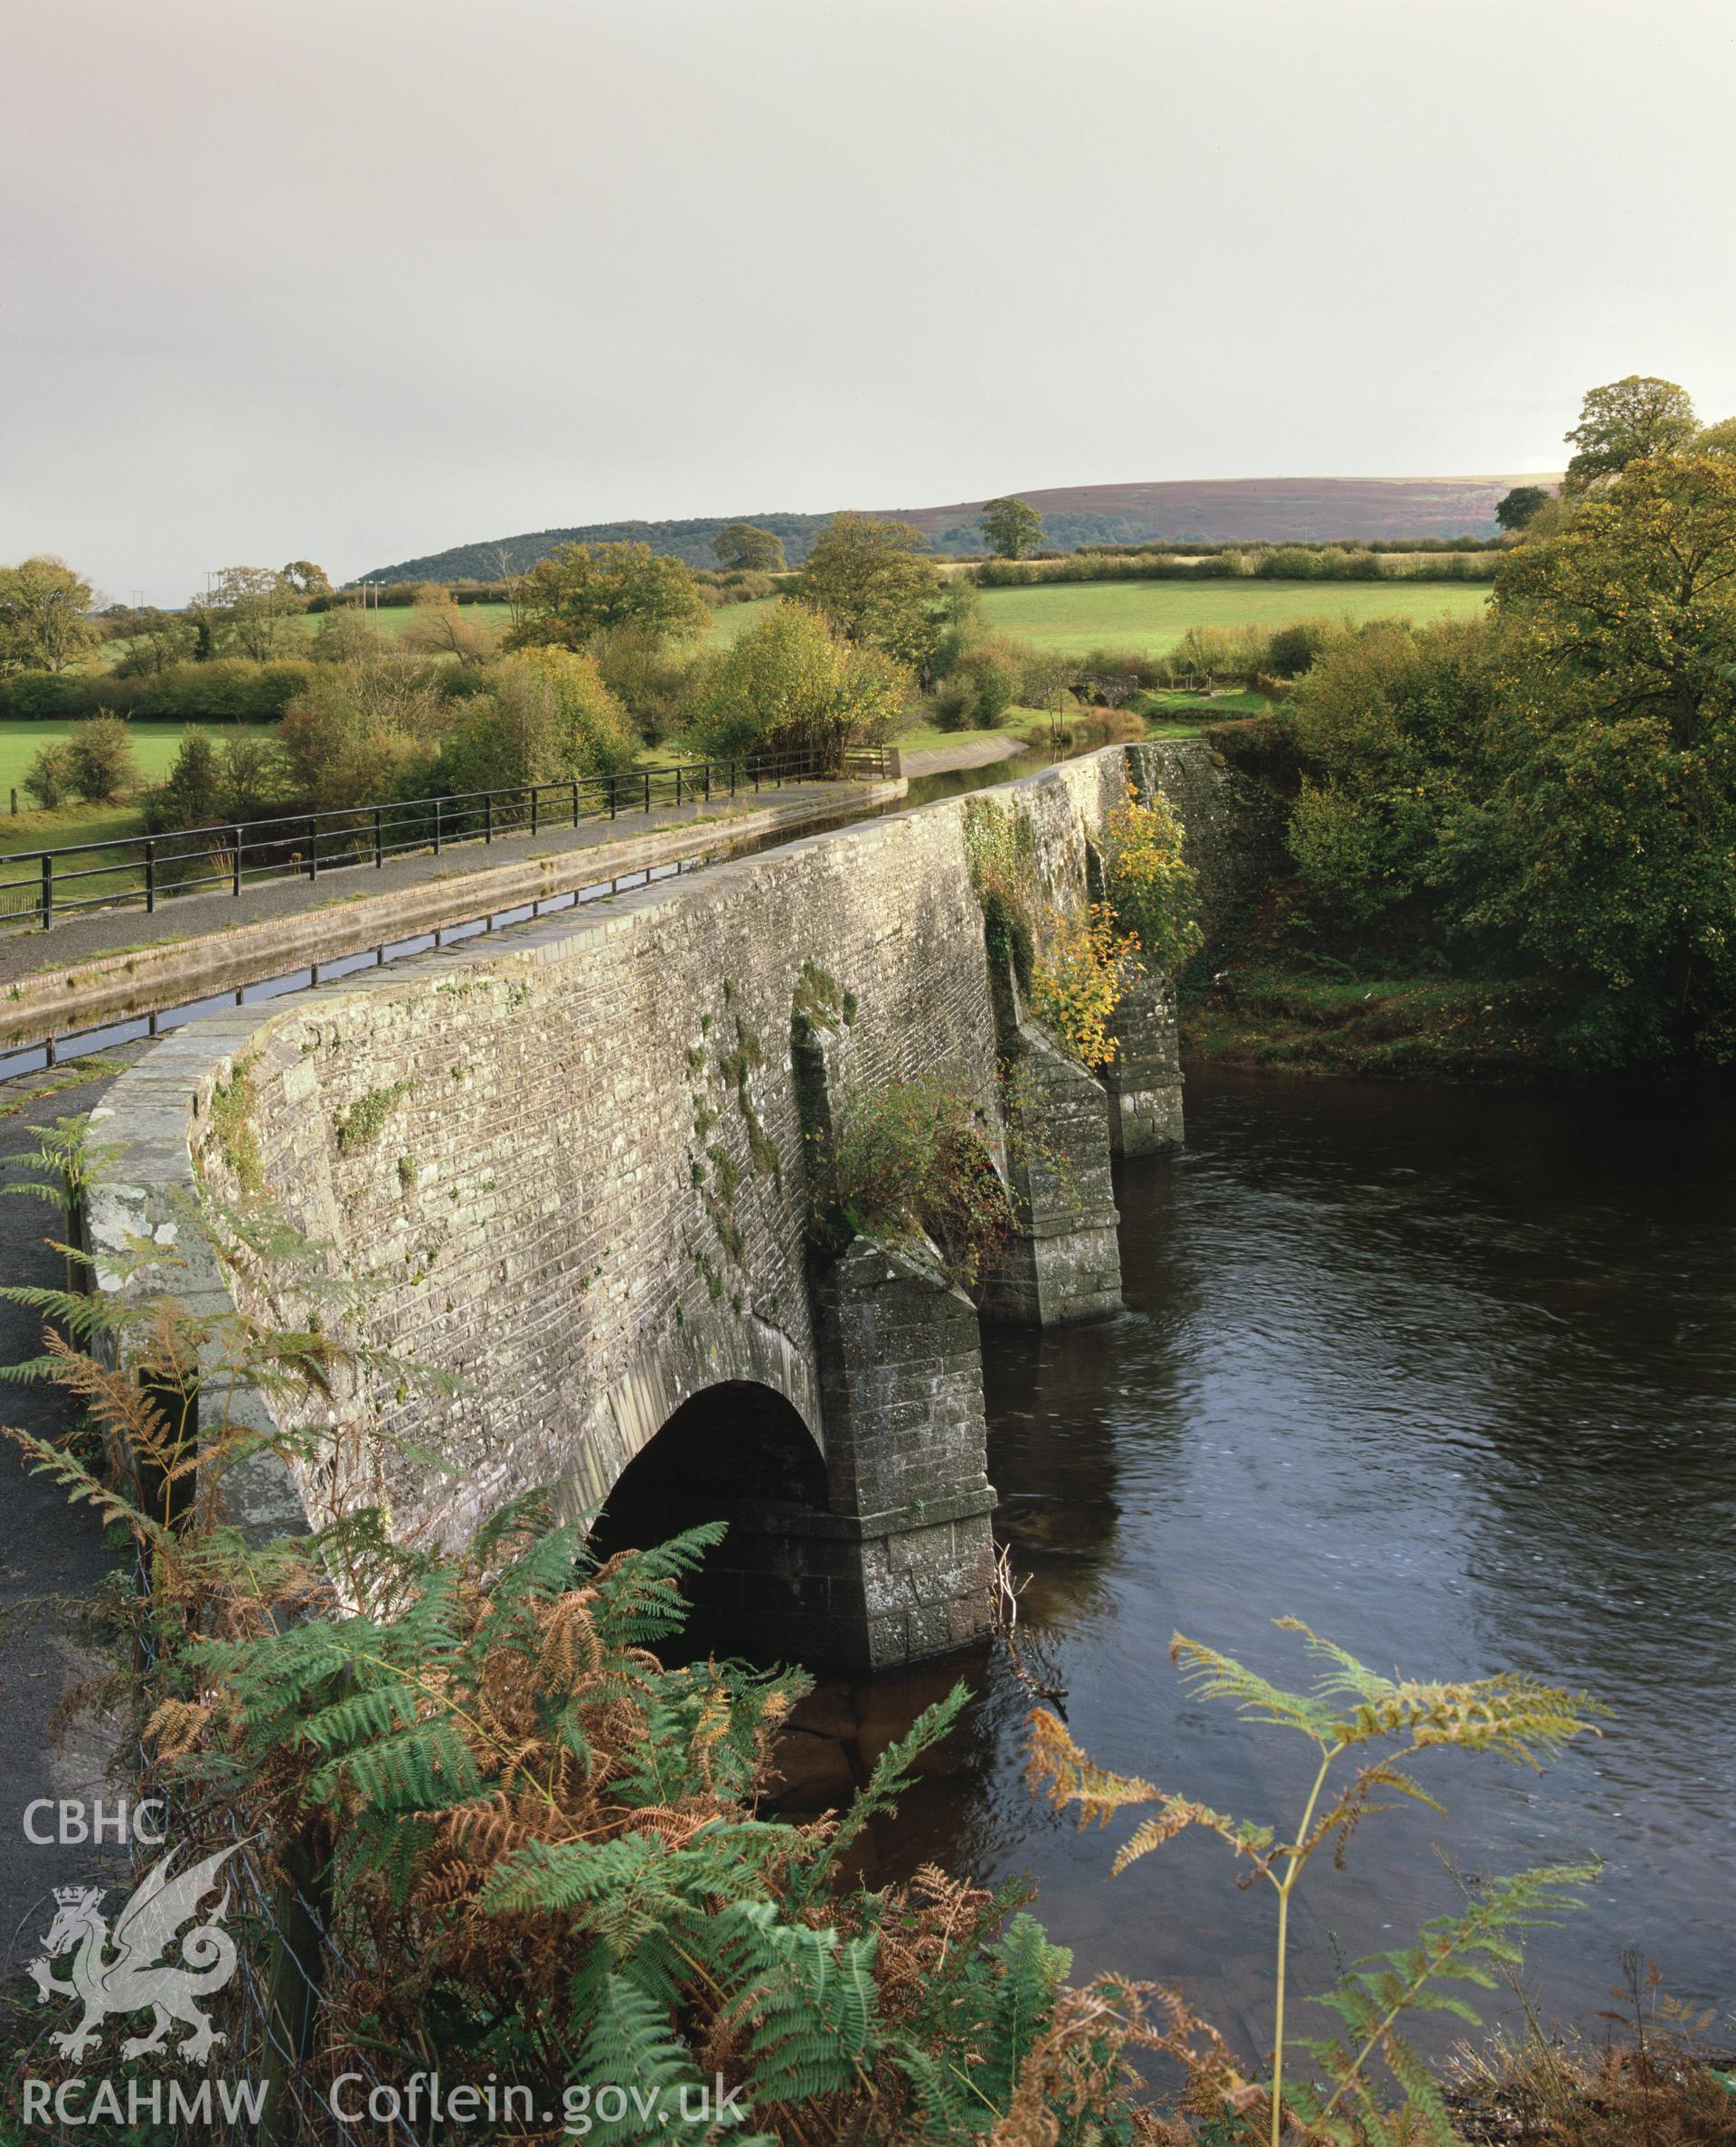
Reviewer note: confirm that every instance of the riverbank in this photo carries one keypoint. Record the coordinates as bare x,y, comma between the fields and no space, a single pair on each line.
1265,1014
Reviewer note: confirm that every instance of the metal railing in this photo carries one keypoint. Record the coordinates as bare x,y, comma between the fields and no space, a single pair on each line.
143,870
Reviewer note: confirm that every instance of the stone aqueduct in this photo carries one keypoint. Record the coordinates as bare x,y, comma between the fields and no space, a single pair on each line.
569,1165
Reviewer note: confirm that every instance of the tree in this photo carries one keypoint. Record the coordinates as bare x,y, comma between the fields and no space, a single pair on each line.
362,733
1605,854
743,546
873,583
44,618
1628,421
154,639
1718,440
248,608
791,684
346,635
581,591
1012,527
1520,504
306,580
437,627
101,759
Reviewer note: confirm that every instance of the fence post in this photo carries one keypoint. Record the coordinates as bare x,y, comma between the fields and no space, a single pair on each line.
313,849
536,798
487,815
48,889
379,840
575,803
647,789
235,887
677,782
436,827
731,778
150,874
611,795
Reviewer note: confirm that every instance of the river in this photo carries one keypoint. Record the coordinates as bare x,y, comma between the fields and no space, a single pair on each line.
1451,1376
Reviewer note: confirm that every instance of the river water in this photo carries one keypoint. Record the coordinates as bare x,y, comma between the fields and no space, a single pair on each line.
1451,1377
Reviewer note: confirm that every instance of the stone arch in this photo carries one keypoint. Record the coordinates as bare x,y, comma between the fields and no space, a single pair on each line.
737,1451
712,1350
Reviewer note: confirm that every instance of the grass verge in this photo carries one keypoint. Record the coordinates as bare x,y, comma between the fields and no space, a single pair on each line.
1291,1017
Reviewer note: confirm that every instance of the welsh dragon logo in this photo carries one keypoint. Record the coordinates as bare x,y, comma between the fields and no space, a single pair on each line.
120,1972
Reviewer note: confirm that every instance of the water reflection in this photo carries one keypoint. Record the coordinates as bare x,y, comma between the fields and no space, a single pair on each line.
1452,1377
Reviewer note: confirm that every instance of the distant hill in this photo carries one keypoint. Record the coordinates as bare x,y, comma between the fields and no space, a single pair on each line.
1280,510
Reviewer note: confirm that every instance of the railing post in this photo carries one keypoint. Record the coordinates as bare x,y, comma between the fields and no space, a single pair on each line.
436,827
48,890
150,874
677,782
611,794
536,798
235,887
313,849
731,778
487,815
647,789
379,839
575,802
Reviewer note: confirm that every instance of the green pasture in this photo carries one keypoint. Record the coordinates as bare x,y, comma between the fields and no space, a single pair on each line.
154,746
1074,616
1152,616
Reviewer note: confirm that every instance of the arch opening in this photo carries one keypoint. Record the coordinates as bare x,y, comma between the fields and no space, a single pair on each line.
738,1452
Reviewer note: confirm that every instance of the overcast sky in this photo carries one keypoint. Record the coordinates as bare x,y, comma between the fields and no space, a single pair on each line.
354,280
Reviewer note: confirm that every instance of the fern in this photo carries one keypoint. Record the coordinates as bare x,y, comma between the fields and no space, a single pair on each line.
1348,1710
632,2046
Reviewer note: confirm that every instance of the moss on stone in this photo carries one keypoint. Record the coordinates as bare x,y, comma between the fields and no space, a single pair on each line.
365,1119
233,1103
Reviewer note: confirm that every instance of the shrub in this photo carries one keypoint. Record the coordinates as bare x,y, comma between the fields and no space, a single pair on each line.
214,784
791,684
1153,892
101,759
1218,651
544,716
908,1158
362,733
438,627
51,778
227,689
346,635
1000,857
191,794
1291,648
1078,980
592,733
653,681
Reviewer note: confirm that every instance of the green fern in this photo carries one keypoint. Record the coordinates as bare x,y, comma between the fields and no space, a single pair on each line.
1349,1710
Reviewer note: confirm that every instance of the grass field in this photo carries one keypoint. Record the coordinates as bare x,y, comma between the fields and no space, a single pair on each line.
1153,615
154,746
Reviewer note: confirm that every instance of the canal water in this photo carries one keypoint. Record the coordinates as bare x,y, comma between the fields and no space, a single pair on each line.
1451,1377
